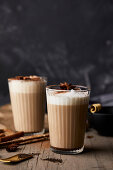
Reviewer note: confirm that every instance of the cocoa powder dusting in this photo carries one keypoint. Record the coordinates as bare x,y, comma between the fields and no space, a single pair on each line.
54,160
89,136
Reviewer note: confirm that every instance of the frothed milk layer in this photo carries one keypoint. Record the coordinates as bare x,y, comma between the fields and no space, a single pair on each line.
71,97
22,86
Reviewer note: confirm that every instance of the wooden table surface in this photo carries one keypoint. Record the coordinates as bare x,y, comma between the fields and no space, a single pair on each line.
97,155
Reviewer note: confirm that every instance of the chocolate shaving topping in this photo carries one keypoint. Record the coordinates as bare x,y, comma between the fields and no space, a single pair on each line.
57,92
26,78
12,147
66,86
34,78
19,77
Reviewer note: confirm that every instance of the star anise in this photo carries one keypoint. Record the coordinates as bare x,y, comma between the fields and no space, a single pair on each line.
66,86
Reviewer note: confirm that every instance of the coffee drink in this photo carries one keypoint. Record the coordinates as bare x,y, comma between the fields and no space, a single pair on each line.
27,96
67,110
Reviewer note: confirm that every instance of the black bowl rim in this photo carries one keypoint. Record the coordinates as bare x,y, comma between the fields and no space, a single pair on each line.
101,114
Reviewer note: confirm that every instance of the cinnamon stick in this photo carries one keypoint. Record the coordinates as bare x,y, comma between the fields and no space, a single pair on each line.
11,137
34,140
2,135
25,139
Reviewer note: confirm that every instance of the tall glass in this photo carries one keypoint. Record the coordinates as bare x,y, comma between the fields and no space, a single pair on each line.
28,103
67,112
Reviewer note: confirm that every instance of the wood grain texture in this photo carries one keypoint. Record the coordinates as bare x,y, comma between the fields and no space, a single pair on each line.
97,155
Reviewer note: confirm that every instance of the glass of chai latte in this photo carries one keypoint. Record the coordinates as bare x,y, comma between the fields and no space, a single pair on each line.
28,94
67,112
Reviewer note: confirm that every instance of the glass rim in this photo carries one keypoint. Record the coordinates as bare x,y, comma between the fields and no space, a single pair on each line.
82,88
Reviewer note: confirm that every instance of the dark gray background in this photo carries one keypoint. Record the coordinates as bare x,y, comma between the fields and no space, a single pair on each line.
65,40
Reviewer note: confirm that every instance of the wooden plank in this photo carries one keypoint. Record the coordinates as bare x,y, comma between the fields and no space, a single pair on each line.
47,153
97,155
103,151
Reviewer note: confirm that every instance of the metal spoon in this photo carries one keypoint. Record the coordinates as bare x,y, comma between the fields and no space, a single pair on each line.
17,158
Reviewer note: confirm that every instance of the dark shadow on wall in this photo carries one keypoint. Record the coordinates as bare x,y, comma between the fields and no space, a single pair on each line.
63,40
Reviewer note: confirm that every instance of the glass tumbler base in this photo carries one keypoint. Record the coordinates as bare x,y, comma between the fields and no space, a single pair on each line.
34,133
67,152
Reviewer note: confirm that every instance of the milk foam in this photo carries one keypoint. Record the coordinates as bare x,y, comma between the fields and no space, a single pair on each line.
69,98
21,86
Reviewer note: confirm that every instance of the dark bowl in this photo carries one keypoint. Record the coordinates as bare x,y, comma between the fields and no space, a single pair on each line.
102,121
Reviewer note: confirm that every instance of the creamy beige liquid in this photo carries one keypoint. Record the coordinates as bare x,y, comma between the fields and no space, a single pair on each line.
28,105
67,125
